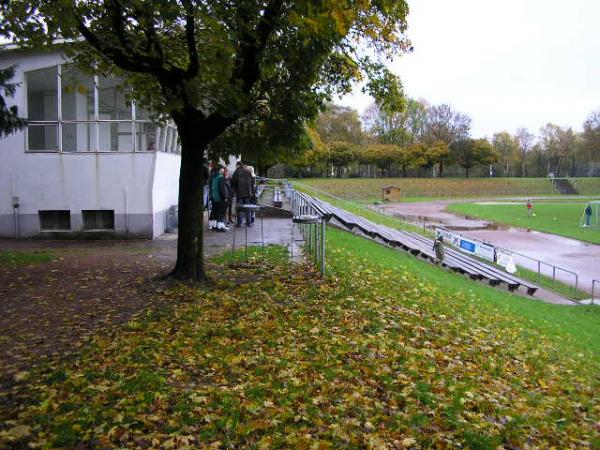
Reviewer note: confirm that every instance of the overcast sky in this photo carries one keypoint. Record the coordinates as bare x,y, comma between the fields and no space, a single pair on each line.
509,64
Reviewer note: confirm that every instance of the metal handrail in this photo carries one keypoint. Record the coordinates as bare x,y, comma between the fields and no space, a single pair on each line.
314,233
539,262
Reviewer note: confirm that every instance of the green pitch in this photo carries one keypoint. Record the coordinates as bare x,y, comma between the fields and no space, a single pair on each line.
556,218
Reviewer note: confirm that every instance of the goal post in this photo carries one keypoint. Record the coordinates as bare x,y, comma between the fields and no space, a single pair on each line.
590,215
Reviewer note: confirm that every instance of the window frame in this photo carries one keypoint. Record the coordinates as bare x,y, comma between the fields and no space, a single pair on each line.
96,122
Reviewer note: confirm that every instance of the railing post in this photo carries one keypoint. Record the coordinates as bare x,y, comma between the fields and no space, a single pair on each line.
322,246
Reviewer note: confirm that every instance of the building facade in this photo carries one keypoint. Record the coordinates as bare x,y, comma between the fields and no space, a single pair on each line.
90,162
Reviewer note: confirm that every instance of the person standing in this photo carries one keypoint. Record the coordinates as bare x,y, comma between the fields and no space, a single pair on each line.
241,181
588,215
530,207
253,199
438,248
218,195
230,196
212,222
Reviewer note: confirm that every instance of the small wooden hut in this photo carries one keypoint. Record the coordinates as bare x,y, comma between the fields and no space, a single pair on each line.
391,193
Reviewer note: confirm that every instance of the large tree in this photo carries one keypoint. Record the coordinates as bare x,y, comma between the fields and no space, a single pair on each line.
446,125
473,152
340,123
591,138
209,63
525,141
558,145
507,147
404,127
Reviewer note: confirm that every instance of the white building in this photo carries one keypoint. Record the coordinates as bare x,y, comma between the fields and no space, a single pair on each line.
89,164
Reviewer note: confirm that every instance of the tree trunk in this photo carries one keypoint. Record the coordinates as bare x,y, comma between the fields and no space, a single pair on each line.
467,172
441,171
195,134
190,240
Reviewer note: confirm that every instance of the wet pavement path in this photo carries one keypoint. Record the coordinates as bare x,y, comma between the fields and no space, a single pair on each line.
580,257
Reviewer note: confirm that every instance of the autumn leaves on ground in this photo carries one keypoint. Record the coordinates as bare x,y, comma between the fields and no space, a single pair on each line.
385,352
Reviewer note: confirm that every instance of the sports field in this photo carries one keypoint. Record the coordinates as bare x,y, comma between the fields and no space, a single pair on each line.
552,217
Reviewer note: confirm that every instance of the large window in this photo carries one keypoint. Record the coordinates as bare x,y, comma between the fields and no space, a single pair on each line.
69,111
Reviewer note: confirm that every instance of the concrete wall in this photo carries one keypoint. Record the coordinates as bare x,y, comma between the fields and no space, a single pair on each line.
165,188
139,187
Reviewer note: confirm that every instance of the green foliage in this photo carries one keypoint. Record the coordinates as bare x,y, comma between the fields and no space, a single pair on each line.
9,116
340,123
468,153
341,154
507,148
402,127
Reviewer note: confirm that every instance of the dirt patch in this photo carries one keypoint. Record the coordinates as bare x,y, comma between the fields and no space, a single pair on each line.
49,310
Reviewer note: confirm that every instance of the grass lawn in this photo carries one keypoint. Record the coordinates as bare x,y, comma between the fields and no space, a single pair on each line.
24,258
385,352
588,186
557,218
369,189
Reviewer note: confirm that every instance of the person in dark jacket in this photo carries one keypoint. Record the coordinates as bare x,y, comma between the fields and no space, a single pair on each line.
588,214
230,196
242,184
212,222
218,196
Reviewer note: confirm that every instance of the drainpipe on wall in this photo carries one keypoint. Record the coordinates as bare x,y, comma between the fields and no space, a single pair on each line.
15,201
15,204
126,212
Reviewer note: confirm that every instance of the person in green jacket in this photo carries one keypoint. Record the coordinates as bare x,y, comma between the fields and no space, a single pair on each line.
218,197
438,248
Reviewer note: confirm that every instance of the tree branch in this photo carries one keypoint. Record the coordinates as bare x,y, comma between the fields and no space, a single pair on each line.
190,35
124,60
254,44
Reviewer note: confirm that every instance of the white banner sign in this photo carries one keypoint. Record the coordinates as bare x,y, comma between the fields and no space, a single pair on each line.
474,247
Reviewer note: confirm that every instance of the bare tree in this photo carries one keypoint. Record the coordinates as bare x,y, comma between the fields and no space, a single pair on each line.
525,141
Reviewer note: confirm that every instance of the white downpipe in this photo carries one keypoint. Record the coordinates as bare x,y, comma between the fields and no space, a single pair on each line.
126,208
15,204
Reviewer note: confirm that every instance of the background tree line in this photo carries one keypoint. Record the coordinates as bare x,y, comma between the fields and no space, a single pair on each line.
435,141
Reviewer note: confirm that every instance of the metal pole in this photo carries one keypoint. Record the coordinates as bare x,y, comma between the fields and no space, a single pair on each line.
593,283
246,248
539,270
233,244
317,244
316,251
262,230
322,247
292,243
554,276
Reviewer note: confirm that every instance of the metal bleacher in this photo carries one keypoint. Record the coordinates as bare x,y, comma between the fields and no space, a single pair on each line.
420,246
